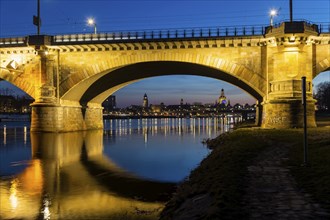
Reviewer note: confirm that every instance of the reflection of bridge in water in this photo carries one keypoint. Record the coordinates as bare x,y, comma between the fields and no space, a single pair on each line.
70,178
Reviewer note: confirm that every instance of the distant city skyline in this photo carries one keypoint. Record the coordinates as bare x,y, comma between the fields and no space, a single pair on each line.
59,17
167,89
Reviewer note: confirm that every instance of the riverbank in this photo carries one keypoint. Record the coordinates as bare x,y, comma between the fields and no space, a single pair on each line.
256,173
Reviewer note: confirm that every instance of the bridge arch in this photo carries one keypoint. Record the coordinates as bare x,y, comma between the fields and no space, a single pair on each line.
101,79
114,80
21,83
322,66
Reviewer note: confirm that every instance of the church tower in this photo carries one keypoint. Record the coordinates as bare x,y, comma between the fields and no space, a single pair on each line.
145,101
222,98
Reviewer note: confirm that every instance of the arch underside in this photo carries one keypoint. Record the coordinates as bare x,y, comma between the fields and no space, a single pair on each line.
322,66
120,77
15,79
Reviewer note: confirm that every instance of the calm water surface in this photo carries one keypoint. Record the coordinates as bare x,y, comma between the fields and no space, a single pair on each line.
126,171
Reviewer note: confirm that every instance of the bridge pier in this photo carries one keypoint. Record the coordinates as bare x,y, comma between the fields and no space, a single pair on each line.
289,58
287,114
52,117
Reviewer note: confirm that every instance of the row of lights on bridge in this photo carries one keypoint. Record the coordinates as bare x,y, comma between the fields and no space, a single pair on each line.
272,14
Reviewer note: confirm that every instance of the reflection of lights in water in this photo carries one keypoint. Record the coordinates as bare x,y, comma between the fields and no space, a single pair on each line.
45,211
179,126
4,134
145,134
13,194
25,135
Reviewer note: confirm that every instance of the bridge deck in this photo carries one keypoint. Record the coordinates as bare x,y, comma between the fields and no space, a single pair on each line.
154,35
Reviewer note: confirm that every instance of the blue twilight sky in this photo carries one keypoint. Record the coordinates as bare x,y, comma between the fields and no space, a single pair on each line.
70,16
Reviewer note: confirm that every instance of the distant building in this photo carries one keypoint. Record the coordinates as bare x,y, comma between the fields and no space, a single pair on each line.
222,98
7,103
145,101
109,104
156,108
238,106
247,106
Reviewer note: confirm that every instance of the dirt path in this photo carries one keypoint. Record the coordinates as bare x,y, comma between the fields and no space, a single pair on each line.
272,192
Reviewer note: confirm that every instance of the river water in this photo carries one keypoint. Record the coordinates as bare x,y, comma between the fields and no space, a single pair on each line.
126,171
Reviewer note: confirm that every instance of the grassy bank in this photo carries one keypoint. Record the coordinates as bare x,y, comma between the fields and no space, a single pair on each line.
216,188
315,178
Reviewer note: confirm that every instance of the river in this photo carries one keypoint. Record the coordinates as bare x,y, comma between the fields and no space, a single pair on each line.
126,171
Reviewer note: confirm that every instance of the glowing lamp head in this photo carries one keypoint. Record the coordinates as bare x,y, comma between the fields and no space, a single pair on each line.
273,13
90,21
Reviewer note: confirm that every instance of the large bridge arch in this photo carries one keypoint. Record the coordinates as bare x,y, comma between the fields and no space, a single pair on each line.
130,73
78,86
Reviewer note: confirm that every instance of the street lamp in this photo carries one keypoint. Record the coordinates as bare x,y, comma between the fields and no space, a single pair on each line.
272,14
91,22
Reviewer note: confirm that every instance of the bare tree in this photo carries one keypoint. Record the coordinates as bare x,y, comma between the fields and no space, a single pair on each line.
323,96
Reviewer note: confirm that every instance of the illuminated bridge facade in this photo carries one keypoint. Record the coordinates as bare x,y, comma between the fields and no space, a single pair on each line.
69,76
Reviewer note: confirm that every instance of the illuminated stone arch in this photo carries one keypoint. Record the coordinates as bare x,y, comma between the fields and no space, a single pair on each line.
95,83
113,81
16,79
322,66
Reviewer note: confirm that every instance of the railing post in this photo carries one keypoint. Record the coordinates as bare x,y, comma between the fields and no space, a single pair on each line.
235,31
193,33
201,33
252,30
184,33
218,32
209,32
226,31
168,34
244,31
176,33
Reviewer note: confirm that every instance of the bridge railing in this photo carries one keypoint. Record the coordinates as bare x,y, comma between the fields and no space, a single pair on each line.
187,33
13,41
164,34
324,28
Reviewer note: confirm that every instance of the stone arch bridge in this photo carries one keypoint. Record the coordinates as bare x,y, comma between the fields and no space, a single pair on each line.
69,76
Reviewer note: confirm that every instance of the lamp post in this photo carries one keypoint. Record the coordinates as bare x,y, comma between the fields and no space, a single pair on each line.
91,22
272,14
36,19
303,88
291,14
